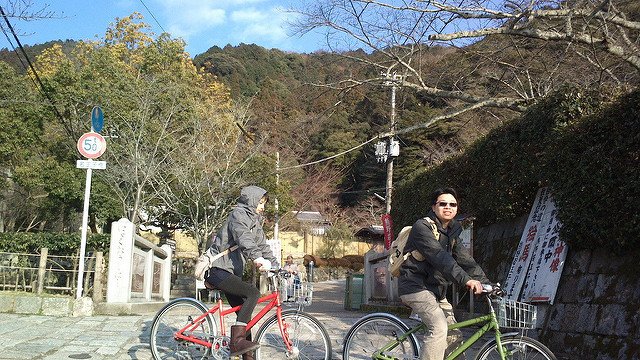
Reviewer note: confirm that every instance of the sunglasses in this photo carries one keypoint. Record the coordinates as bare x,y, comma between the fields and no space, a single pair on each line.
444,204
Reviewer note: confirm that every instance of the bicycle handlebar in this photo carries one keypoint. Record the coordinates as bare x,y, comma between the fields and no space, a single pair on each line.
492,290
280,272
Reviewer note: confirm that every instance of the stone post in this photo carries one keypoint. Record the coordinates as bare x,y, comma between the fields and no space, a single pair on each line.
42,268
148,275
165,279
120,260
98,278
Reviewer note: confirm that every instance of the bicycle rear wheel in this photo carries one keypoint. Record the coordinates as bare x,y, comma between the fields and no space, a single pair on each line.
374,331
517,348
173,317
309,338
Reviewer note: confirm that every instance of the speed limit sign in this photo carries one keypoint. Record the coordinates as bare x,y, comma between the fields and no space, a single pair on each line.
91,145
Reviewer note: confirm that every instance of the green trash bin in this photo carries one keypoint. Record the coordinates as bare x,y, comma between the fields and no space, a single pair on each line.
354,292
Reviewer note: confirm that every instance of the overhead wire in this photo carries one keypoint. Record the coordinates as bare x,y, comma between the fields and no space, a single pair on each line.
153,16
24,66
329,157
35,73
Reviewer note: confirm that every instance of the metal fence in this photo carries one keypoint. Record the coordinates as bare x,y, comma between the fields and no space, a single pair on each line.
53,274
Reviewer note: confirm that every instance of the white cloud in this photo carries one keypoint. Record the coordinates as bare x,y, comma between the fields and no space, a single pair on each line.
185,18
260,26
204,23
248,15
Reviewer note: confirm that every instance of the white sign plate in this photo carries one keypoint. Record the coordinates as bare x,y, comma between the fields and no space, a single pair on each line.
91,164
539,260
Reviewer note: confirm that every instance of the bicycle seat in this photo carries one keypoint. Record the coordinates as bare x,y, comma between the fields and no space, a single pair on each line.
209,286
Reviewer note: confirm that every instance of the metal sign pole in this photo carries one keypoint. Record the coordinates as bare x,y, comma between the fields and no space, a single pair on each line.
90,145
83,236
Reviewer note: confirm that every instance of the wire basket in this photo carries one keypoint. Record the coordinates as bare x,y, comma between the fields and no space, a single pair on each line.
296,293
515,314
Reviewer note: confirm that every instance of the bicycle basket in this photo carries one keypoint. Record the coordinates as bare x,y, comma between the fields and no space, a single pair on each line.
515,314
296,293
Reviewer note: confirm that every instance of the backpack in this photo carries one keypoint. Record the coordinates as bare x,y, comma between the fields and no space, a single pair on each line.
396,251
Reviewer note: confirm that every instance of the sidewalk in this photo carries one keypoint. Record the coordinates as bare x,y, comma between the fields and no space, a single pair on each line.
127,337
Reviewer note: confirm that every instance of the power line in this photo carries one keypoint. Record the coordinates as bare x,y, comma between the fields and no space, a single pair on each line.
24,66
35,73
330,157
153,16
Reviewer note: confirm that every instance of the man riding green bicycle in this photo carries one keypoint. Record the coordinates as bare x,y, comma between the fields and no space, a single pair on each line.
425,276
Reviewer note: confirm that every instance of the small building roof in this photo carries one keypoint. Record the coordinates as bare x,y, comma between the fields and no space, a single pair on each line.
310,217
372,233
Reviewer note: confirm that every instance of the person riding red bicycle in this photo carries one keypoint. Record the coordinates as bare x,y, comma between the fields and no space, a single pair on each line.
243,227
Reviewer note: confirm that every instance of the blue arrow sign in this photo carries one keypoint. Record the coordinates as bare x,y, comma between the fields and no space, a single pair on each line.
97,119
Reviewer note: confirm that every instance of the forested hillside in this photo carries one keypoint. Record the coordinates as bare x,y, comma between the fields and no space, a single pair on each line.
306,122
18,62
292,114
217,121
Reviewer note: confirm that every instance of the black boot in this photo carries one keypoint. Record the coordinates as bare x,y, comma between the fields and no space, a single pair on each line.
249,355
239,343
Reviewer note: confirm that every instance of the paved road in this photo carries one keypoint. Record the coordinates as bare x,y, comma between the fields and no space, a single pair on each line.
126,337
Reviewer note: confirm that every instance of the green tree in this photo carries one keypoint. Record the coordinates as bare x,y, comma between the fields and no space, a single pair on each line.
174,151
35,190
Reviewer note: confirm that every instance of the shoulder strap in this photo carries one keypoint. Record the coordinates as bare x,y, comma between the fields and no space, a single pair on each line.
221,254
434,227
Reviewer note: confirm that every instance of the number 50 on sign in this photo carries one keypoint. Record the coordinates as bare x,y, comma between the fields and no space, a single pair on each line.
91,145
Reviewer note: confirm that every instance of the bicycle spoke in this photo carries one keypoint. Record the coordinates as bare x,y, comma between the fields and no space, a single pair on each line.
172,318
368,336
308,338
517,348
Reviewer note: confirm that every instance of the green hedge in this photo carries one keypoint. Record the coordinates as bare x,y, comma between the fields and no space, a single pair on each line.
58,244
585,149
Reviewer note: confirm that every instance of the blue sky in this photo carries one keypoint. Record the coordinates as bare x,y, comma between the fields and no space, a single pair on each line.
201,23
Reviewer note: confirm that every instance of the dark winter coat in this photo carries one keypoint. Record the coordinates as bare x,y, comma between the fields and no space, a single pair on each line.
446,260
243,227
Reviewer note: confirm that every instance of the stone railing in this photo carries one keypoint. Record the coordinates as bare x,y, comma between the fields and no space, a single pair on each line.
138,269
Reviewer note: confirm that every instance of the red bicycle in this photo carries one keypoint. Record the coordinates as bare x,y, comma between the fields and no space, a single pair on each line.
186,328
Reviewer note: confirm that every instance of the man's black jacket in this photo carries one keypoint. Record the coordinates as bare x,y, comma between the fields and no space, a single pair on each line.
446,260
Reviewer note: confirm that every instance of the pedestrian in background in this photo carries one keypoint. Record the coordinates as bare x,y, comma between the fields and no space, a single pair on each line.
294,277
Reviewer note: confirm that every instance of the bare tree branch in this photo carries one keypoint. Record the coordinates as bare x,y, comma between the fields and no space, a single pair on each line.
536,45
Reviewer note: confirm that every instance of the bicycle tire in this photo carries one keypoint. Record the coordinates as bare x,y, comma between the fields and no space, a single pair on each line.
518,348
171,318
309,337
366,336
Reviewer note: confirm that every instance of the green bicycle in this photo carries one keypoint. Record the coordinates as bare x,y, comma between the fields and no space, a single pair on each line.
382,336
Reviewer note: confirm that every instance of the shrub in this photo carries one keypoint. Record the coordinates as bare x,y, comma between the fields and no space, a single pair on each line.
587,151
58,244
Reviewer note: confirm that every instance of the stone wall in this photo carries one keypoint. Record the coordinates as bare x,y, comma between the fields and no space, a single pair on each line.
596,313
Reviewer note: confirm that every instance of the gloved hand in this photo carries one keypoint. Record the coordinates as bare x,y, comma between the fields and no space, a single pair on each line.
262,264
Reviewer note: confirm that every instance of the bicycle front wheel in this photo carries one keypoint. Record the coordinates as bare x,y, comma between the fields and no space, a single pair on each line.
372,332
309,338
517,348
173,317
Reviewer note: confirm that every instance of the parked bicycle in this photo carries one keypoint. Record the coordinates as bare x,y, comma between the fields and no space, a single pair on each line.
186,329
382,336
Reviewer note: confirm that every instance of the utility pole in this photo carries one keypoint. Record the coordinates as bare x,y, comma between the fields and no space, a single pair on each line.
276,226
386,151
392,146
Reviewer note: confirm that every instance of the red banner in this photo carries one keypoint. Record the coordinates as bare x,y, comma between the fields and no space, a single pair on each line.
387,226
